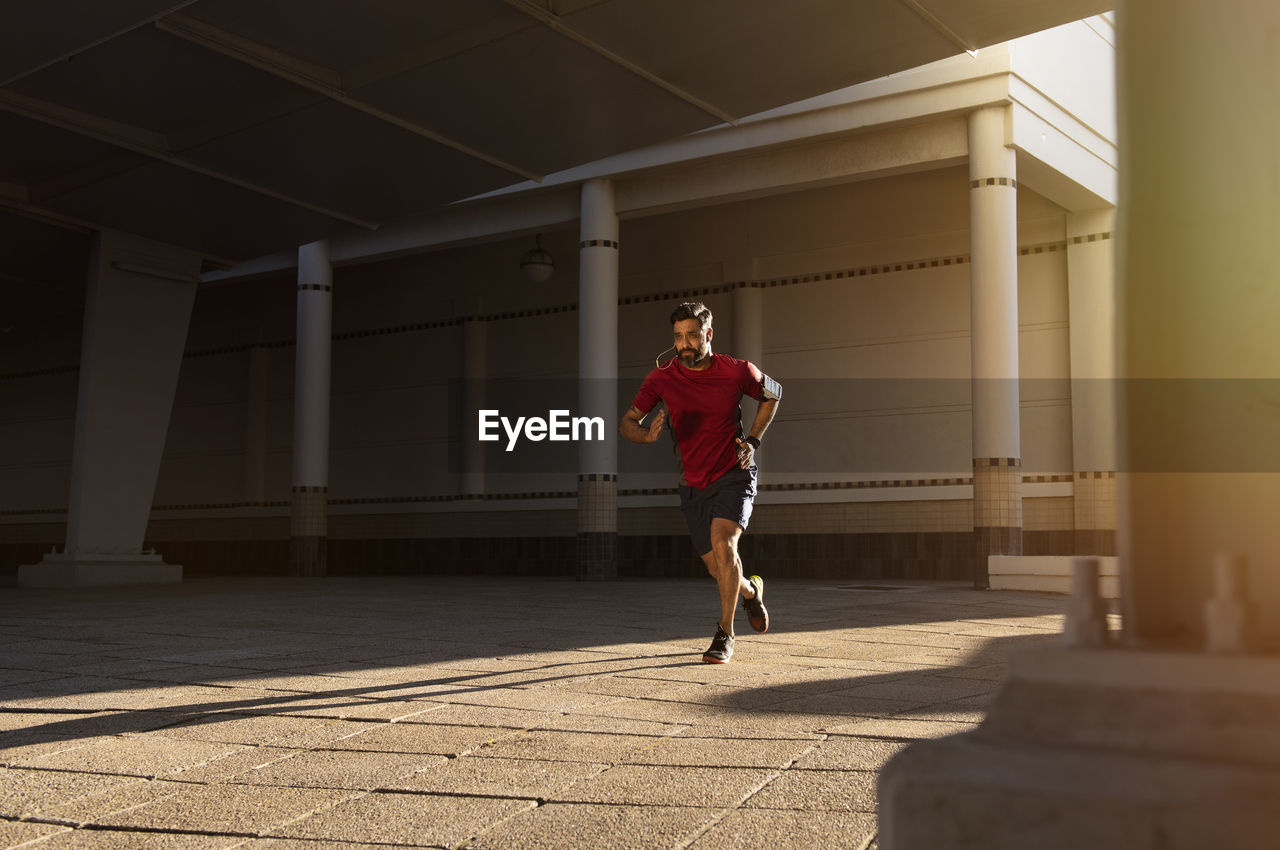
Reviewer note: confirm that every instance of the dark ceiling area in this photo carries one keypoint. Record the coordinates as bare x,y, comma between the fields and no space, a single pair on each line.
238,128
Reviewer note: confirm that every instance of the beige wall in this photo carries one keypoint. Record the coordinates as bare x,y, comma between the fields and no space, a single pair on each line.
398,348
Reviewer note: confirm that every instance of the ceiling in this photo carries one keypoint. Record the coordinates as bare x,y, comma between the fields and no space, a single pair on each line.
238,128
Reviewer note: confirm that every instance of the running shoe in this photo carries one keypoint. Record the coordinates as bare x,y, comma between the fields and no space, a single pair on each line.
756,612
721,649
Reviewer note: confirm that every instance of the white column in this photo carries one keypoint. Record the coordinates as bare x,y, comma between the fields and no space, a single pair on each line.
1091,299
255,425
597,380
137,309
748,324
993,229
309,518
474,370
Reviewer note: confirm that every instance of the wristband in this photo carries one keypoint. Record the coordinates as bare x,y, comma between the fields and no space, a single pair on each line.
754,441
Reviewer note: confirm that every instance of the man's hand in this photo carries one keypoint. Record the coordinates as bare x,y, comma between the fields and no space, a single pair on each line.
746,453
655,427
631,428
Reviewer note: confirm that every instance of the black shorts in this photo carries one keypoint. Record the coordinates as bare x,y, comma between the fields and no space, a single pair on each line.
731,496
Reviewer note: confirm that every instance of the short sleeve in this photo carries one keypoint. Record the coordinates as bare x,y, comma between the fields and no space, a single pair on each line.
648,396
751,380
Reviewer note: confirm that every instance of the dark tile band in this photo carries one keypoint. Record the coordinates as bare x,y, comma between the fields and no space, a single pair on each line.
598,243
993,181
997,461
319,287
1092,237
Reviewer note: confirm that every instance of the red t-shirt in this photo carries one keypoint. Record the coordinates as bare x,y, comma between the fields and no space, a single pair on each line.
702,412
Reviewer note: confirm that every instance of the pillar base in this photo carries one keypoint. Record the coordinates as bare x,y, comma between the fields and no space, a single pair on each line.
1104,749
61,570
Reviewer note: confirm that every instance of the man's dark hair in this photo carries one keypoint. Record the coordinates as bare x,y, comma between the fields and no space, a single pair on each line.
692,310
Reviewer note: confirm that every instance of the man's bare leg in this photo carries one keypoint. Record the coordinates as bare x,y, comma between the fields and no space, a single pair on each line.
726,567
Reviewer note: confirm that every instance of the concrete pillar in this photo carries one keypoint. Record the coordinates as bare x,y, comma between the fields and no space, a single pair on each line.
474,369
137,309
1092,298
993,238
309,518
255,425
1167,737
748,324
1199,301
597,381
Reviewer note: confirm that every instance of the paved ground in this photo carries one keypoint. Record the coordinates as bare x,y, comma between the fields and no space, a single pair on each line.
480,713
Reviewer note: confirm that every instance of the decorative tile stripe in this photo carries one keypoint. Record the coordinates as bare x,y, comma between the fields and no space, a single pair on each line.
1046,479
671,296
37,373
396,329
562,494
1096,474
32,511
524,314
598,243
1047,248
993,181
315,287
1091,237
997,461
864,271
598,476
309,489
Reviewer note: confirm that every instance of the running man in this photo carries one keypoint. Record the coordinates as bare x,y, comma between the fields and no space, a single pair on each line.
702,393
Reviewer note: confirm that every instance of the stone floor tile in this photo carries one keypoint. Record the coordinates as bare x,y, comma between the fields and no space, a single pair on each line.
548,745
339,769
484,715
839,752
437,739
633,784
299,732
689,751
557,825
758,829
134,755
535,699
129,795
227,768
398,818
573,722
316,844
901,728
819,790
25,792
119,839
14,833
741,697
847,704
500,777
227,808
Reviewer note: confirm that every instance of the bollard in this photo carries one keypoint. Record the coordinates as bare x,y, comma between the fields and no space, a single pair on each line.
1229,614
1086,623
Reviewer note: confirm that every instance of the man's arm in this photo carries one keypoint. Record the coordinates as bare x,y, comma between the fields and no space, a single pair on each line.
764,415
631,428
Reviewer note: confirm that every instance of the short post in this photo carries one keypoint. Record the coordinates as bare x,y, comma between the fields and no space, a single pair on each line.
1086,623
1229,614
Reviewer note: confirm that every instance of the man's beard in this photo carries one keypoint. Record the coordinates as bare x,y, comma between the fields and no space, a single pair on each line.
691,357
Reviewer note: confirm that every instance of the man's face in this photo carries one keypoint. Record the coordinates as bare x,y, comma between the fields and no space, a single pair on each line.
691,342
